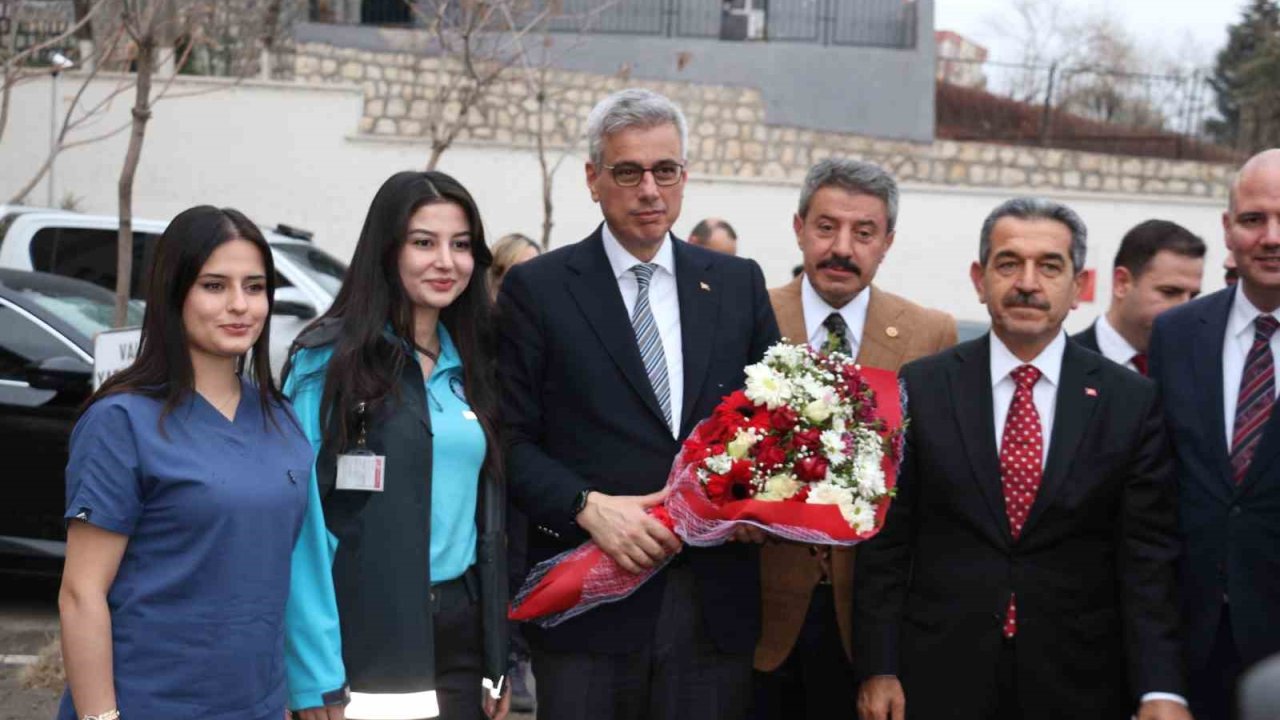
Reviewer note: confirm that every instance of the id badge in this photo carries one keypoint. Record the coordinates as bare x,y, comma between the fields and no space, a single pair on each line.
361,471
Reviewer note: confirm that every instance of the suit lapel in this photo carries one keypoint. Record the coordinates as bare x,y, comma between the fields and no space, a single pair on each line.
788,308
595,290
1210,332
970,380
699,295
1075,406
883,343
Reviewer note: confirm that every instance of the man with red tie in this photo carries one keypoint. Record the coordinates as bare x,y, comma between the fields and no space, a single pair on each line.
1159,266
1215,362
1026,565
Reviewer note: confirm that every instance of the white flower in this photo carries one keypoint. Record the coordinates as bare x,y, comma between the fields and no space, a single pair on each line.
811,387
828,493
741,443
868,472
780,487
860,514
788,357
766,386
833,446
822,408
719,464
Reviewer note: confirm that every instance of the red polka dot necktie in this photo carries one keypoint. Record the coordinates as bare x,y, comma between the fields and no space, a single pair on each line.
1021,463
1257,396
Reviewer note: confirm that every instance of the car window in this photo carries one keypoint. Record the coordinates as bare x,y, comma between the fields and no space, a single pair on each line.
320,265
23,342
88,254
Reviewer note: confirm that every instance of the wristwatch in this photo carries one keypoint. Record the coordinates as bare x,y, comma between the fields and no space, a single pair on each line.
108,715
580,501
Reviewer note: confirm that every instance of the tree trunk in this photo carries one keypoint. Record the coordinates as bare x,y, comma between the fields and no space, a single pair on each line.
141,114
437,149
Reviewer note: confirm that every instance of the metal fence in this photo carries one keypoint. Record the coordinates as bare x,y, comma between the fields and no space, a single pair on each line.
1078,107
877,23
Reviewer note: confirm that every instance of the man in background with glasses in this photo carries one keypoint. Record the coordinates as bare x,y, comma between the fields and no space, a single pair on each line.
613,349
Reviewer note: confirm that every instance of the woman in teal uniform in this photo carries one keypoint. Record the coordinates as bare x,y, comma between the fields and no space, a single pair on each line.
397,609
186,488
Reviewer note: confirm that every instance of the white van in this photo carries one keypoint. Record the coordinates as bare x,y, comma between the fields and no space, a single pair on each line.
84,247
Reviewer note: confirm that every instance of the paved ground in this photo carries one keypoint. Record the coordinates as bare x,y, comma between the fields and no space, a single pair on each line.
28,622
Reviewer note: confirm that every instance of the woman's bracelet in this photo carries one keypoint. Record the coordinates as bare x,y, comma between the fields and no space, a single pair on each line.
112,714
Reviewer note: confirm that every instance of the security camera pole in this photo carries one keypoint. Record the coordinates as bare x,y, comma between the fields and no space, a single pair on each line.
58,62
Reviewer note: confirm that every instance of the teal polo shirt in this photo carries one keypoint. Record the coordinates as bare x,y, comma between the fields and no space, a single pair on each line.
457,454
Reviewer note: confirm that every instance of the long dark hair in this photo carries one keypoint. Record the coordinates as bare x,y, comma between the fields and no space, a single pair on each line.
163,366
366,366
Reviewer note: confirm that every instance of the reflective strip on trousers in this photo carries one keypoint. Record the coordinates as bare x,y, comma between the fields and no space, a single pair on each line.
393,706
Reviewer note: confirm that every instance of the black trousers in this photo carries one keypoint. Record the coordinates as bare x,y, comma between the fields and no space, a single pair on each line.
816,681
679,675
459,647
1213,688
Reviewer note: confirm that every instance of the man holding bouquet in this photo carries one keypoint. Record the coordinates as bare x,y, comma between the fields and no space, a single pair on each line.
844,227
1026,565
612,350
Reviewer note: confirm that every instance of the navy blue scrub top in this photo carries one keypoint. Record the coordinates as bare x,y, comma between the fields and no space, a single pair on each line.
211,508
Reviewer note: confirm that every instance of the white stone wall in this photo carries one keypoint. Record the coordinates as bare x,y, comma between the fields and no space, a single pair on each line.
285,152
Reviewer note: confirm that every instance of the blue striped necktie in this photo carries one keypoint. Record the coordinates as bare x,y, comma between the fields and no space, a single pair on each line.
648,339
1257,396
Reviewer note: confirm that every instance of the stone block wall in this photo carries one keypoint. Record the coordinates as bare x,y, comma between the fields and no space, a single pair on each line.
728,136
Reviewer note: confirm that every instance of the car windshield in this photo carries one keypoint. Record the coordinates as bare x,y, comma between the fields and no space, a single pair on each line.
320,265
87,315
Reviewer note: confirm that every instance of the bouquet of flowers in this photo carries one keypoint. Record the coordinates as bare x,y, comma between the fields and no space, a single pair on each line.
808,451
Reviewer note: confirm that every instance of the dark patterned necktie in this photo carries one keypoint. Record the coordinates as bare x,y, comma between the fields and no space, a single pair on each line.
837,335
1257,397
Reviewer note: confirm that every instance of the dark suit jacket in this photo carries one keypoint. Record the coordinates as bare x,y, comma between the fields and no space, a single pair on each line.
1093,569
580,412
1088,338
1232,534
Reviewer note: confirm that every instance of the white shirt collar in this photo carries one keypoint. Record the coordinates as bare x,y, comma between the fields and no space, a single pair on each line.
621,260
1112,344
1243,313
816,310
1048,362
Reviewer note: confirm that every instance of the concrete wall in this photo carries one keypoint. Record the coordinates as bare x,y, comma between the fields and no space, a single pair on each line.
878,92
291,153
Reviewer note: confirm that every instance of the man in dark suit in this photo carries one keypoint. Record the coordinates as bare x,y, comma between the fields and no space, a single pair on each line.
1215,362
612,350
1158,266
1026,566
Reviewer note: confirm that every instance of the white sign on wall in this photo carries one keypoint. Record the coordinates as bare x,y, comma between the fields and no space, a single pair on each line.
113,351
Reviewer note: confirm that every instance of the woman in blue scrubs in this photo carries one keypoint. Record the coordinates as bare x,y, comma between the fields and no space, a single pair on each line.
186,487
398,604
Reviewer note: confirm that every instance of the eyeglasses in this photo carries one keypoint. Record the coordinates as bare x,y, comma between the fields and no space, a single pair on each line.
665,173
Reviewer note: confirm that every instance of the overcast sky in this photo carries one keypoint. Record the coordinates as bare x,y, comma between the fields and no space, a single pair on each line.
1184,27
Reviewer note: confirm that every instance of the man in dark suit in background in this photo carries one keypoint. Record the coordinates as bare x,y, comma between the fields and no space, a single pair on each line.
1026,565
1159,266
612,350
1215,362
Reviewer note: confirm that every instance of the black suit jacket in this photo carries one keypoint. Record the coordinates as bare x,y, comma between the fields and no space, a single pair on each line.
580,412
1232,533
1093,568
1088,338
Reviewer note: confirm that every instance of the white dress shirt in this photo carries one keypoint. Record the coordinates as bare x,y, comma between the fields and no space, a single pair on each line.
1235,349
1112,344
664,302
816,311
1045,396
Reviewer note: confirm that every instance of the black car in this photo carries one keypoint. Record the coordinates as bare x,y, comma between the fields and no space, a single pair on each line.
47,326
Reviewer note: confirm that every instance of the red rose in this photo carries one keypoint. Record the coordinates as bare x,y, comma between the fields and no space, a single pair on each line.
812,468
770,456
810,439
717,487
783,419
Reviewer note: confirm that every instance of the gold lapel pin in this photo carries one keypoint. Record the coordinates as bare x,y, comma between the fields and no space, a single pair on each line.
704,286
891,331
